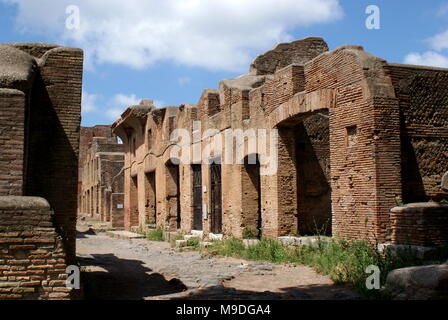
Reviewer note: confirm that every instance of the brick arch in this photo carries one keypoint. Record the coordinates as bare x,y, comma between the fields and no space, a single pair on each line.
365,177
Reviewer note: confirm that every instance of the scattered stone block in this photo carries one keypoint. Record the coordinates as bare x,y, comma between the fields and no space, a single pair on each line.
197,233
419,283
181,243
216,237
205,244
124,235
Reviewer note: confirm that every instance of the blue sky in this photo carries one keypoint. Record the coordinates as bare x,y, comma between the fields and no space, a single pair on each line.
171,50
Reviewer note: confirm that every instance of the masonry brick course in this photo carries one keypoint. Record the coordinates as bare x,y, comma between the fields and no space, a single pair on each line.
32,255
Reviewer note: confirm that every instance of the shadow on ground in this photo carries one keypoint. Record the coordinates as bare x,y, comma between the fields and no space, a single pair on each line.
106,277
306,292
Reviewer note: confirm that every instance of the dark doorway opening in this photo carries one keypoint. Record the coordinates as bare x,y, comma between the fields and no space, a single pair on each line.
251,197
313,176
173,195
151,203
197,197
134,202
215,198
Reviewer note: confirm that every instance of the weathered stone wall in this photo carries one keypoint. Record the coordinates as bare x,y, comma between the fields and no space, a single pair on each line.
32,254
102,179
421,224
12,137
339,149
423,95
85,138
50,78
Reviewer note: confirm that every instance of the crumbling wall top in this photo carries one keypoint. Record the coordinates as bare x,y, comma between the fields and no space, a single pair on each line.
16,68
18,202
284,54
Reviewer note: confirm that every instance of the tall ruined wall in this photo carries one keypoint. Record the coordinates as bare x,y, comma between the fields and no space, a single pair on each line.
53,137
86,136
339,148
364,141
423,95
102,173
50,78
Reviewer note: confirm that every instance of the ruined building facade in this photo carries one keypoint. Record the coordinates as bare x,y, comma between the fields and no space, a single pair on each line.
40,107
101,194
355,136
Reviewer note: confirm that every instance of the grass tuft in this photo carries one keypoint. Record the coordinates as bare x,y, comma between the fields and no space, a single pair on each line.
155,235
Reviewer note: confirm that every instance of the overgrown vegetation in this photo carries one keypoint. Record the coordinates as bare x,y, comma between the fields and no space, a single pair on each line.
344,261
193,243
155,235
250,233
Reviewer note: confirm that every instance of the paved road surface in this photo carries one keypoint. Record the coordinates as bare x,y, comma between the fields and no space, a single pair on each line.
140,269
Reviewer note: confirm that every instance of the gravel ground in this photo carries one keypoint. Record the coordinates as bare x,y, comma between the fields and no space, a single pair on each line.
141,269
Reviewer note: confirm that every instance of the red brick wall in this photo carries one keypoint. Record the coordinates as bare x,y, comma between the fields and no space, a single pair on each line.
365,175
32,257
422,224
12,123
53,135
423,99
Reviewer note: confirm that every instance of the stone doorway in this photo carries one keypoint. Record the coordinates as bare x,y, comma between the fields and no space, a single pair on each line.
173,196
251,219
304,173
313,176
197,197
215,198
151,203
133,215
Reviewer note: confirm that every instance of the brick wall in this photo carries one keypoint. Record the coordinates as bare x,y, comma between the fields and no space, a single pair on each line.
423,95
32,255
12,127
421,224
53,136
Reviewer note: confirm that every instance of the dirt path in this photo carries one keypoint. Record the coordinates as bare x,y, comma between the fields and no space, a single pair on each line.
141,269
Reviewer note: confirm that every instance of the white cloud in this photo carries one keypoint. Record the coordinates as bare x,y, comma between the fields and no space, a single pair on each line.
183,81
119,103
214,34
429,58
88,102
434,57
439,41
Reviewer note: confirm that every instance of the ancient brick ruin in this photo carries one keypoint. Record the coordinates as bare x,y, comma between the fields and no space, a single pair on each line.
356,136
101,176
40,107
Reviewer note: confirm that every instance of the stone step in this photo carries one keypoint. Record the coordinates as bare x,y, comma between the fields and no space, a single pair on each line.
191,237
214,236
197,233
124,235
303,241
